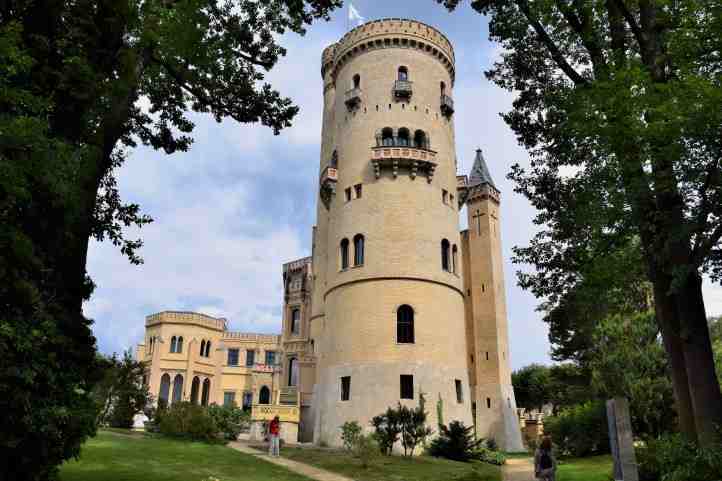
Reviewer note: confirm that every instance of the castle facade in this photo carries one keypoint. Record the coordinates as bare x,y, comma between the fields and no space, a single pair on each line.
395,301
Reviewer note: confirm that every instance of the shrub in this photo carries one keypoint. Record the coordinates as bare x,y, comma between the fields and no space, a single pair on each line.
672,458
229,420
366,449
184,419
350,431
491,444
486,455
580,430
413,426
387,429
455,442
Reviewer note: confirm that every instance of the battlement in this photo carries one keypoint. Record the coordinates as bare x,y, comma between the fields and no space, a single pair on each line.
184,317
389,33
248,336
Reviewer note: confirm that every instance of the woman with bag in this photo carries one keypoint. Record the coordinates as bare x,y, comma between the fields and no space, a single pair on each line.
545,464
274,433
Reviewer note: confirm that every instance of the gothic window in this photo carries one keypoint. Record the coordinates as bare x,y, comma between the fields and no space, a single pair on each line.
247,400
459,391
172,344
420,141
445,255
264,396
358,250
270,358
195,387
344,254
356,81
203,347
403,138
293,372
229,399
405,324
454,258
233,357
164,389
387,137
488,403
250,357
206,392
407,386
179,345
208,349
345,388
177,389
296,321
403,73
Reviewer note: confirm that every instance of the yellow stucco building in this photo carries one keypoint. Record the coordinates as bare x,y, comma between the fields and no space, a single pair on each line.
395,300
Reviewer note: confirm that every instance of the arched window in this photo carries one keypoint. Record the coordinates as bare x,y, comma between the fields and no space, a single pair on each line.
179,345
356,81
420,140
295,321
206,392
443,88
172,344
403,138
164,389
403,73
293,372
208,349
177,389
203,348
454,259
445,255
344,254
195,387
405,324
387,137
358,250
264,396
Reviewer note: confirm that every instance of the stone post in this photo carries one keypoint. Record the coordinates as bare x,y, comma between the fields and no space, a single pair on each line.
621,441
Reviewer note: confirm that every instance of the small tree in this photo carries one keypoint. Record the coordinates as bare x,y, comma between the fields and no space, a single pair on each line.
413,426
350,432
229,420
120,394
455,442
387,430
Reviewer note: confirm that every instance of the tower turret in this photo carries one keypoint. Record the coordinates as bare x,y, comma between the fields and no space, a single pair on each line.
487,327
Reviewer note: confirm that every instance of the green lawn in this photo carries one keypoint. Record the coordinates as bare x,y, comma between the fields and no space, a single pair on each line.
394,468
112,456
595,468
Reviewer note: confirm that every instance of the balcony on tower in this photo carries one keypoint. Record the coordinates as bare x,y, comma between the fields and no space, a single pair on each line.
328,181
413,160
447,105
403,89
353,98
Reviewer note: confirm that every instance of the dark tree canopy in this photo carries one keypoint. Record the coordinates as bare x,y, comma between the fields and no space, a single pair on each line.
620,106
81,83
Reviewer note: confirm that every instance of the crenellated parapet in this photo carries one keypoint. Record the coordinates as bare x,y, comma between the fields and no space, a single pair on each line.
183,317
389,33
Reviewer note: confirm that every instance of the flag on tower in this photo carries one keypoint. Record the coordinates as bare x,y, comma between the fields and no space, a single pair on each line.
354,16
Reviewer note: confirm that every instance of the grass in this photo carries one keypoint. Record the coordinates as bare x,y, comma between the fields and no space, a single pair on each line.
595,468
112,456
393,468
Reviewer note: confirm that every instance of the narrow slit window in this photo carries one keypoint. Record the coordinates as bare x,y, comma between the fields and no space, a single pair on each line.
345,388
459,391
407,386
359,190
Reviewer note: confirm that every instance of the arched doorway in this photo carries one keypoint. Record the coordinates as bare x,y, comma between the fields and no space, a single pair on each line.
164,389
195,387
177,389
206,392
264,397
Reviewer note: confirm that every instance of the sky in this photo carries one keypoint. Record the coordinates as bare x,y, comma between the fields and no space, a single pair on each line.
241,202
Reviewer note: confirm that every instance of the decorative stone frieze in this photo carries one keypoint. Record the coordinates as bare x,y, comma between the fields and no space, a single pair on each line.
415,160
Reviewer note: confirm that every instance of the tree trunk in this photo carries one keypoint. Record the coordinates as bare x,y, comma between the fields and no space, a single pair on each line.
669,326
704,388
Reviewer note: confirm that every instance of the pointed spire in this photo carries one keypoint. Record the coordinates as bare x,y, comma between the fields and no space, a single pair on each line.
479,174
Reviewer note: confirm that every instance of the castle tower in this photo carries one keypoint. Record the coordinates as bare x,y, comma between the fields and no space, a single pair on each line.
487,327
388,313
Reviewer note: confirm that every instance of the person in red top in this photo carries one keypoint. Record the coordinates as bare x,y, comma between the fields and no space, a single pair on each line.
274,432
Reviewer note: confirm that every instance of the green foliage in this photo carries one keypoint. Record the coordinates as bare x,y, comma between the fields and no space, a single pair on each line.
187,420
387,428
489,456
672,458
120,394
365,449
350,431
455,442
440,411
580,430
715,332
562,385
229,420
629,361
531,386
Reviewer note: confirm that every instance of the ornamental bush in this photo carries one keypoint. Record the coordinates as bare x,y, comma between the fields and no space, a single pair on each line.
455,442
672,458
187,420
580,430
230,420
350,431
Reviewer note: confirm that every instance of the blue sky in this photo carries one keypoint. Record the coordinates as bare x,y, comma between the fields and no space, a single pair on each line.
242,201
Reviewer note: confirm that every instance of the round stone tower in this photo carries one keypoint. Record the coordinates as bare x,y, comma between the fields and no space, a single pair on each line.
388,317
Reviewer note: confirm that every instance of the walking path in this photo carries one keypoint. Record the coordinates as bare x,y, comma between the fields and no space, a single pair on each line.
300,468
518,469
